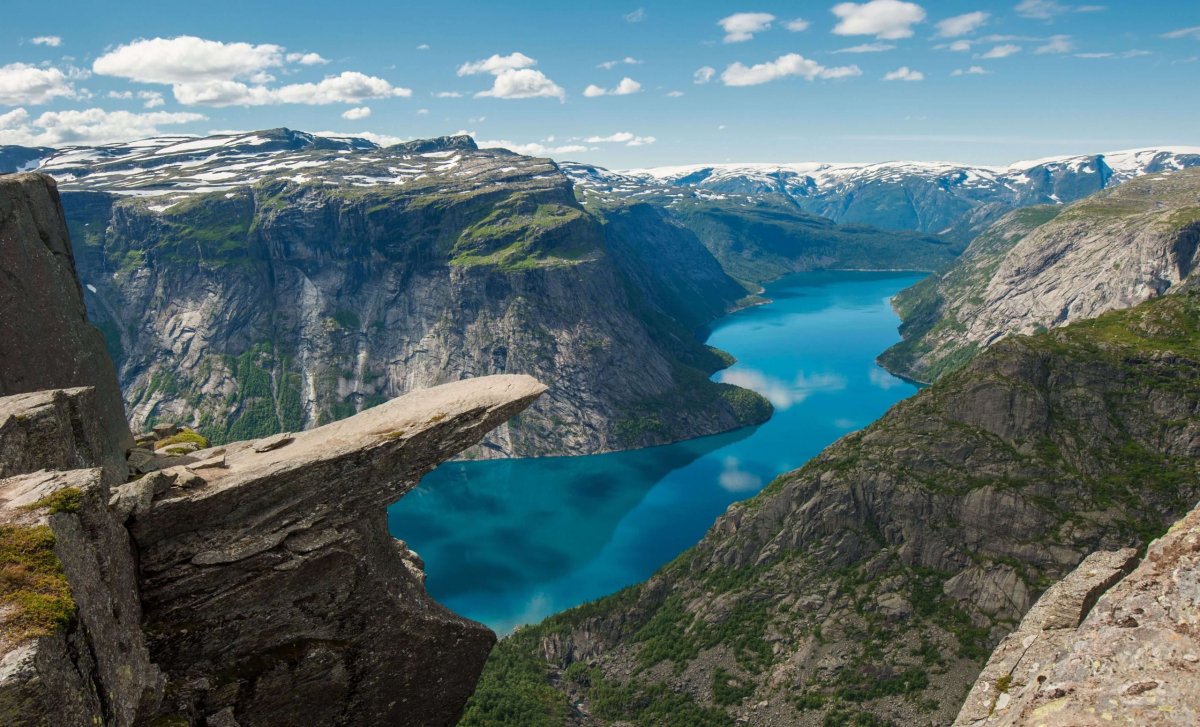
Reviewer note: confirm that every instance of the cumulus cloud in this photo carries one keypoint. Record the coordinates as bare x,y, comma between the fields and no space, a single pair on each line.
741,27
497,64
797,25
703,74
867,48
187,59
791,64
25,85
883,380
447,94
960,46
624,88
961,24
1056,44
359,112
347,87
1002,51
622,137
627,60
213,73
972,71
1048,9
52,41
86,126
884,19
515,78
307,59
151,99
904,73
674,94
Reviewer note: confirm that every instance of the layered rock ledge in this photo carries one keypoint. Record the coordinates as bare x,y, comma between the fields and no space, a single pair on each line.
255,584
1104,646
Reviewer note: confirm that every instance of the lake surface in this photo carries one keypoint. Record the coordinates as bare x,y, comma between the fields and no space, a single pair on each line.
508,542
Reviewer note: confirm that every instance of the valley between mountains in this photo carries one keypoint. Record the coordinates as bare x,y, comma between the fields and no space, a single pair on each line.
279,281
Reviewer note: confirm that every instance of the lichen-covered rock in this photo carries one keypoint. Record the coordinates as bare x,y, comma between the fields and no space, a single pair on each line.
46,341
1102,647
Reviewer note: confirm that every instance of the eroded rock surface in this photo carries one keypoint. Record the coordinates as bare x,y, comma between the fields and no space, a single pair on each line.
1133,658
46,341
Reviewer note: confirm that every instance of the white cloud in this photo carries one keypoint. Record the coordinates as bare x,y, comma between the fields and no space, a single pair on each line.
791,64
636,16
1002,51
87,126
423,46
904,73
703,74
627,60
447,94
524,83
515,78
22,84
742,26
380,139
151,99
187,59
972,71
960,46
497,64
348,87
1124,54
867,48
307,59
624,88
52,41
532,148
622,137
1056,44
797,25
674,94
1048,9
354,114
883,380
121,95
1192,32
421,112
961,24
884,19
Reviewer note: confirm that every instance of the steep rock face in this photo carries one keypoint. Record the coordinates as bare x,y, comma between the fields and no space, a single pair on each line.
255,584
75,653
872,583
272,589
1044,267
1104,643
288,304
51,345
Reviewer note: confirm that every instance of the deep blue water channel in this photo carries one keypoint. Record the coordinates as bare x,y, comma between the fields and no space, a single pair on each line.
508,542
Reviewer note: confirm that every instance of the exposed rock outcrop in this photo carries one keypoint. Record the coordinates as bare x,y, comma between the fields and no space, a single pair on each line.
254,584
1104,645
46,341
1045,267
870,586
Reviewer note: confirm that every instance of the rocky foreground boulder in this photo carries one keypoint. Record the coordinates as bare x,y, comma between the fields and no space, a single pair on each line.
252,584
1104,645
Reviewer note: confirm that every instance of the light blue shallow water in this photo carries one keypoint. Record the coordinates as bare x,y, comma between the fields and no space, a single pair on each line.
511,541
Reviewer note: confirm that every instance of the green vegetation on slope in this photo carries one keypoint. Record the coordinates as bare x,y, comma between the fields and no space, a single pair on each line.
866,608
33,588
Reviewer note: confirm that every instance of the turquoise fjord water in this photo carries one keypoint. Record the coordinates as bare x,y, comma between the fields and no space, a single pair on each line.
508,542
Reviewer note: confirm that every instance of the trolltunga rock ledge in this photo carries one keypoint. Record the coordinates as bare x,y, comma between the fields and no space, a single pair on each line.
267,569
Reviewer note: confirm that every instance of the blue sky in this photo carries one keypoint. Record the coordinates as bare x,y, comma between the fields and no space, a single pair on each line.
985,82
